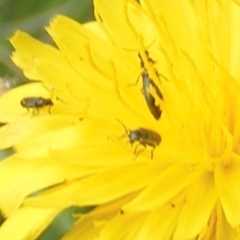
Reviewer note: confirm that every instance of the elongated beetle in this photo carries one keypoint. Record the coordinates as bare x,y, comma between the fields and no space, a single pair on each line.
150,100
36,103
145,137
148,83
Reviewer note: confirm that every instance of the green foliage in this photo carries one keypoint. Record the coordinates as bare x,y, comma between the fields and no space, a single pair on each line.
62,223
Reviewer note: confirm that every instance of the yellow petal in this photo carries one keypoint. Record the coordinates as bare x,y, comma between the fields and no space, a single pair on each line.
99,188
228,187
88,226
26,128
15,184
234,50
50,141
224,230
161,222
114,229
195,213
162,188
27,223
130,19
40,61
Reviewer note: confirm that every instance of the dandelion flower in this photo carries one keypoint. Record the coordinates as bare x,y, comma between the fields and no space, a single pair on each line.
179,178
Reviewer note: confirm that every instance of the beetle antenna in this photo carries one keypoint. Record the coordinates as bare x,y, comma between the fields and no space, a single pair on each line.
52,93
126,130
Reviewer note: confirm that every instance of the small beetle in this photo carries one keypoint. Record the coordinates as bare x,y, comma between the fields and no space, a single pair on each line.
36,103
145,137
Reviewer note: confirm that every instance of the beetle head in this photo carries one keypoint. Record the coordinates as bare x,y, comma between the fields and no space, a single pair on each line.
134,136
23,103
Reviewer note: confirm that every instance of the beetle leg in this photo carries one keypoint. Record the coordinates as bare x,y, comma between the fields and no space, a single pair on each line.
35,111
136,152
49,109
159,76
151,61
135,83
153,148
135,149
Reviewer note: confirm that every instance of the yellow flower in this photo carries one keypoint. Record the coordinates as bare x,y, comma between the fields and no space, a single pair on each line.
179,178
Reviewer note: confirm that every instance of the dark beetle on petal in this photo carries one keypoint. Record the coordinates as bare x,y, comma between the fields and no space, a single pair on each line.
36,103
145,137
148,83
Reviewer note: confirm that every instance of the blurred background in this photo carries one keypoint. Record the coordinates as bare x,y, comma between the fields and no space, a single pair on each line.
32,16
